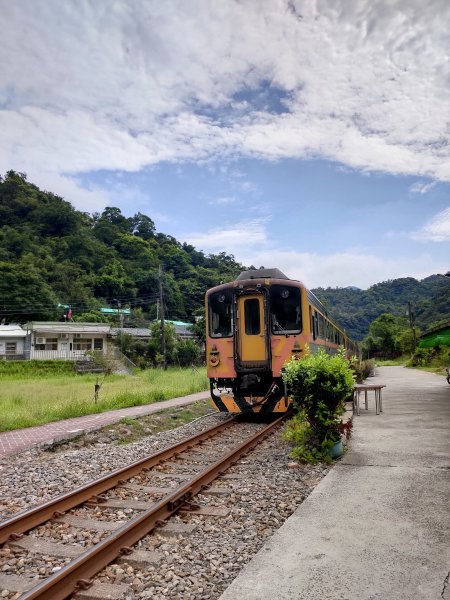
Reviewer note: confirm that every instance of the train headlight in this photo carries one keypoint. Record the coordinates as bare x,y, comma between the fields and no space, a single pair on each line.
296,350
214,357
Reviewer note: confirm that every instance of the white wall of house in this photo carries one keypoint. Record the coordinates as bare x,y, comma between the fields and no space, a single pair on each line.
11,345
12,340
67,341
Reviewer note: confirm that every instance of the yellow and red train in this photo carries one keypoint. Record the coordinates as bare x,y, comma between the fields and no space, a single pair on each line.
254,325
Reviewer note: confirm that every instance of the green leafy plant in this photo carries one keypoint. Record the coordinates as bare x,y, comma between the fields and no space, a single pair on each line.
362,369
319,384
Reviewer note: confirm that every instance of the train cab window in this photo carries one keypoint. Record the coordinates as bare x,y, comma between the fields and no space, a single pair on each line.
252,317
285,309
220,314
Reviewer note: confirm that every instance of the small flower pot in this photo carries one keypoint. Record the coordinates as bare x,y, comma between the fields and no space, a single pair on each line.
336,450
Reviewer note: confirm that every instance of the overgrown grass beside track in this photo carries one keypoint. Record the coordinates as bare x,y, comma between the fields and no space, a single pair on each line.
35,369
28,401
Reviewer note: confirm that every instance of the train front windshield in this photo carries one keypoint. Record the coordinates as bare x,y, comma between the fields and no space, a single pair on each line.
285,308
220,314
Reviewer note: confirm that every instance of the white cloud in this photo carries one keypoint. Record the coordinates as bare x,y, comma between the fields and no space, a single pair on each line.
249,242
121,86
348,268
231,238
422,188
437,229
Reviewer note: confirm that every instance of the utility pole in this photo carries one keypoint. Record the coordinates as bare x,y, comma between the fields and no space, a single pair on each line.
120,313
161,307
412,322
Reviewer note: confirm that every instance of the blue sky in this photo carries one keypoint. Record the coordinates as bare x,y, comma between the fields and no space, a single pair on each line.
312,136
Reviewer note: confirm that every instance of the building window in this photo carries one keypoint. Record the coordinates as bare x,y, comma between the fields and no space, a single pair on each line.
98,344
82,344
11,347
50,344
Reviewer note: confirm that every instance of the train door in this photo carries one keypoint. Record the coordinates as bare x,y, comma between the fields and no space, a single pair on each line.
252,339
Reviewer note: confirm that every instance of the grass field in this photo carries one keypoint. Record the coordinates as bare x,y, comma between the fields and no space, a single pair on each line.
33,400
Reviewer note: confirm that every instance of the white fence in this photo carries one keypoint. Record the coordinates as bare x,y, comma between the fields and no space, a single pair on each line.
61,355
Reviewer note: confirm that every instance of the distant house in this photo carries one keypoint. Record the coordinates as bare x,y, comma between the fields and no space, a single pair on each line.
183,330
12,342
66,341
438,336
140,333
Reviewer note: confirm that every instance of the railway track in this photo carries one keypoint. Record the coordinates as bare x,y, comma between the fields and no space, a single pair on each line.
103,496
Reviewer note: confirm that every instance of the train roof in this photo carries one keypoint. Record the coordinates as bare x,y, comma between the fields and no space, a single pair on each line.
262,274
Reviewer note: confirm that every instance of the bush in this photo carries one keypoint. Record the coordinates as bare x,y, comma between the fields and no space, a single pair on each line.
424,357
319,384
187,353
368,368
362,369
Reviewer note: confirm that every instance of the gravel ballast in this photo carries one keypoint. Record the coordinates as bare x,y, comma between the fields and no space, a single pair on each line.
260,492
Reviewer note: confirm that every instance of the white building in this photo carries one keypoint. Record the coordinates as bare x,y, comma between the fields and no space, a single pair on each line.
66,341
12,342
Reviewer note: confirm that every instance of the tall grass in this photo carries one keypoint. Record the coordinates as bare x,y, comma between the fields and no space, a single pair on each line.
35,369
33,401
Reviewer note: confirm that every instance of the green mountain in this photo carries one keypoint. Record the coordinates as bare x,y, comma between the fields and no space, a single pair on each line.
51,253
355,309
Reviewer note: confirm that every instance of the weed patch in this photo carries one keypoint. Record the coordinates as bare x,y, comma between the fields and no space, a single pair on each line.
28,401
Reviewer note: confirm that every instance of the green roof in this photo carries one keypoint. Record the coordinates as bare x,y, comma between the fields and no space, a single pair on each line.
436,337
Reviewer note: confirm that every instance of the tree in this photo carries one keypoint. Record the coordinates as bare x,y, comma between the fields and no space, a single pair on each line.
155,349
390,335
187,352
111,280
142,226
24,294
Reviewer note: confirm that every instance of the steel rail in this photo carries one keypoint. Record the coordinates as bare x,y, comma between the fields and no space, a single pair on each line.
77,574
30,518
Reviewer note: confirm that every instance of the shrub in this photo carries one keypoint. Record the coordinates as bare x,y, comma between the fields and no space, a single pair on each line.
319,384
423,357
368,368
362,369
187,352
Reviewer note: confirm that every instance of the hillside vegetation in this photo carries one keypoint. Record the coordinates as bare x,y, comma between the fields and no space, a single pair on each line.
356,308
52,254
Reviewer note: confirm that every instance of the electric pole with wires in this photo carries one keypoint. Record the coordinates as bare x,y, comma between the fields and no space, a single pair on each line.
161,308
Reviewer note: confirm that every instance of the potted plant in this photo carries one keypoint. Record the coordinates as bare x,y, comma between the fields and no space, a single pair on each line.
319,384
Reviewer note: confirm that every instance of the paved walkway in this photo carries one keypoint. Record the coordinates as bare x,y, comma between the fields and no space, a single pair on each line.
12,442
377,527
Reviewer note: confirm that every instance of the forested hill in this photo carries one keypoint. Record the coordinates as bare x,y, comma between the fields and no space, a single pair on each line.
355,309
52,254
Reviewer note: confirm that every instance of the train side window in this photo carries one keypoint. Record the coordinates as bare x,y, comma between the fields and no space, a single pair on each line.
285,309
252,316
220,314
321,327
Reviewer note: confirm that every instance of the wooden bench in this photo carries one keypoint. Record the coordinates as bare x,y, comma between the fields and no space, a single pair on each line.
363,387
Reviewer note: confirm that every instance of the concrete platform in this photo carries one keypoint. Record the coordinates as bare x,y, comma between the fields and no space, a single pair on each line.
377,526
19,440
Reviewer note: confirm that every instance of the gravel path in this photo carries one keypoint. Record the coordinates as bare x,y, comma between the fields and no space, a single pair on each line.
266,488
